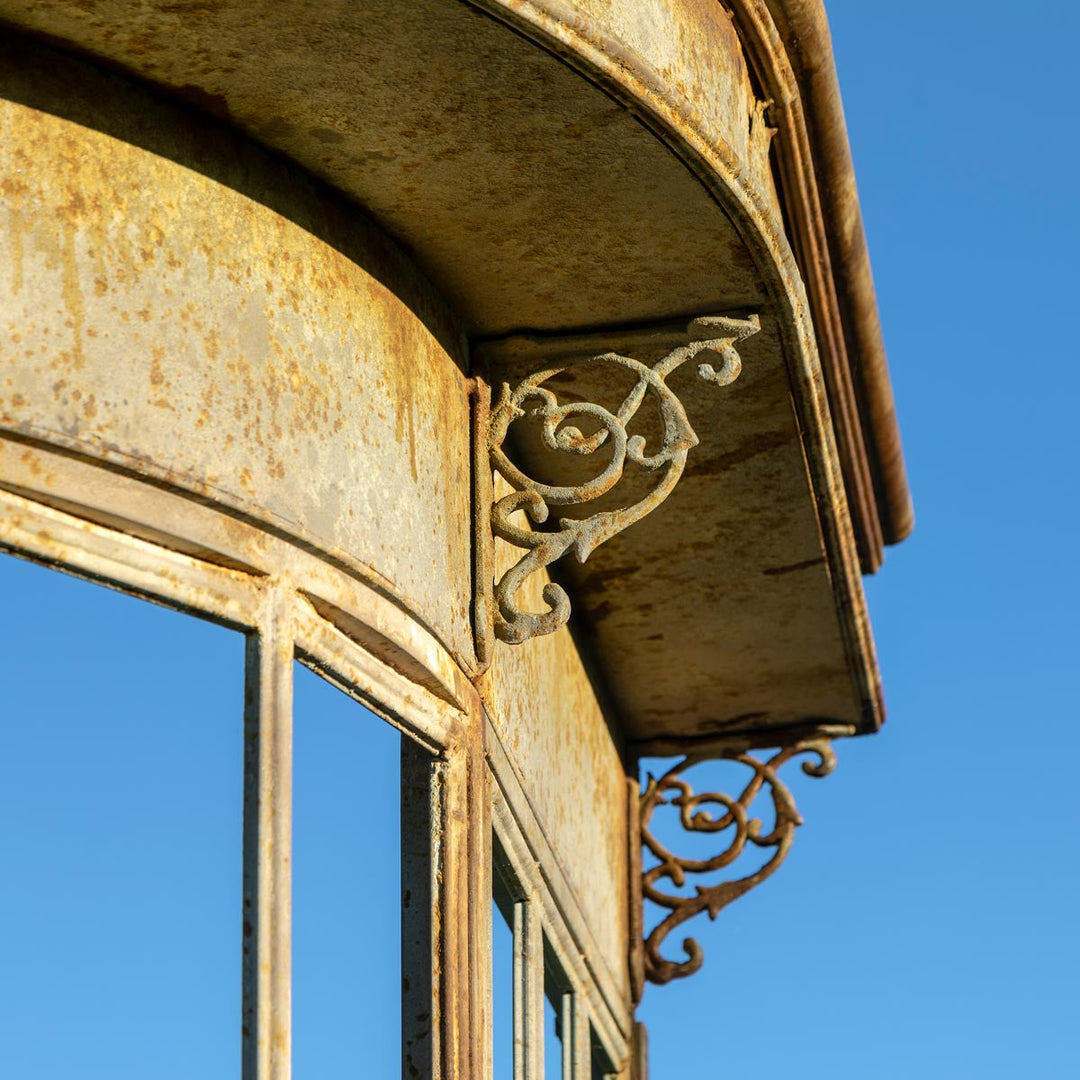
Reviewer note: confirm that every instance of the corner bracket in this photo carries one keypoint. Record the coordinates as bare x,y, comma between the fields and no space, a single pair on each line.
561,432
734,817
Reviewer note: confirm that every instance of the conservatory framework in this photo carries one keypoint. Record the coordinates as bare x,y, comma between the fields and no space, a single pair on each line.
514,366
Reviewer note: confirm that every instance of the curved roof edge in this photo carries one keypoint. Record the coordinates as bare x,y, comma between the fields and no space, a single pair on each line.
804,31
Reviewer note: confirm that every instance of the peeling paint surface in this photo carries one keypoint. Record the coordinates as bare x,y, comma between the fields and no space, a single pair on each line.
165,323
544,707
583,215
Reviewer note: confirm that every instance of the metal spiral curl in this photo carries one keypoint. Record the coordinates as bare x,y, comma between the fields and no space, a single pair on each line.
735,816
559,433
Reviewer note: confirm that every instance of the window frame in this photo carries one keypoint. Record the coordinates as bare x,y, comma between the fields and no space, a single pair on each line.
465,799
287,615
549,928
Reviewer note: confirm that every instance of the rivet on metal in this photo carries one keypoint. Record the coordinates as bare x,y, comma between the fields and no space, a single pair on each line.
713,334
694,818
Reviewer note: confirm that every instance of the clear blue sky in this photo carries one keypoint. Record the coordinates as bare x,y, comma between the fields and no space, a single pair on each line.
925,925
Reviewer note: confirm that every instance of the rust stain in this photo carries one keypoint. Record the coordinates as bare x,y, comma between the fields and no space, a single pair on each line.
110,260
806,564
16,228
157,371
70,290
402,357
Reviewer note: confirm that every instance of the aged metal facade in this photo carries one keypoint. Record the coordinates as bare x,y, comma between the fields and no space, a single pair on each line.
342,324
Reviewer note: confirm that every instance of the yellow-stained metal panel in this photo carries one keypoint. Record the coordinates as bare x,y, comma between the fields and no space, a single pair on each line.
547,715
161,320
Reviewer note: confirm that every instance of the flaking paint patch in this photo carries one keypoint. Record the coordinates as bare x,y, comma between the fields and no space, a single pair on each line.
16,229
287,381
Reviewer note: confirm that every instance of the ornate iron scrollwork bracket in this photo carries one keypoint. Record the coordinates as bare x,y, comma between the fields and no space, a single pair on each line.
716,335
735,819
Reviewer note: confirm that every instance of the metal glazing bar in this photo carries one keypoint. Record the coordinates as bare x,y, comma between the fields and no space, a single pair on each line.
528,992
582,1036
137,567
639,1060
268,690
419,824
454,921
569,1007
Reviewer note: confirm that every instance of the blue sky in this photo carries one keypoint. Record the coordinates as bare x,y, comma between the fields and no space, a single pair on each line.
925,924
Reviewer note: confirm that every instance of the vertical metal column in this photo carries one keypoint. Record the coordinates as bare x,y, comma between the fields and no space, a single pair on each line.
569,1010
528,992
479,885
420,830
267,936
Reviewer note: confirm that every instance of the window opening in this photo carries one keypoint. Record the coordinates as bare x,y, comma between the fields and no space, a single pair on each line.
558,1020
602,1067
121,764
534,1000
503,989
553,1052
502,993
347,971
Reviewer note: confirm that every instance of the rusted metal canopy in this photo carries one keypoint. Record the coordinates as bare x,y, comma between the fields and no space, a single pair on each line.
590,178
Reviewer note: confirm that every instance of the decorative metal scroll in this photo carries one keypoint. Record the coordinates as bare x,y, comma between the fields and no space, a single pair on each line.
695,817
714,334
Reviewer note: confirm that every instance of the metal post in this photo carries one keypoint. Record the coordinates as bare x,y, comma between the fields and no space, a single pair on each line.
528,992
268,688
420,822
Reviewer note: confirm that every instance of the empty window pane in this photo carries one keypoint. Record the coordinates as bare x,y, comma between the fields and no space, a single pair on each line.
557,1016
553,1069
346,887
602,1068
121,747
502,991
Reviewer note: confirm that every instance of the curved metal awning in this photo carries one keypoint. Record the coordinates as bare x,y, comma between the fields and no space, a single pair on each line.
586,182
